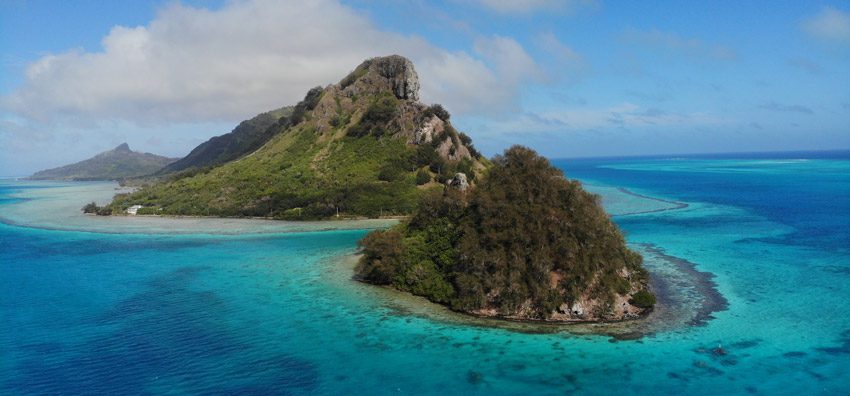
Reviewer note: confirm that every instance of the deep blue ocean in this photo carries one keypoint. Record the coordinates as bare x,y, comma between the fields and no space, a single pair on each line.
95,308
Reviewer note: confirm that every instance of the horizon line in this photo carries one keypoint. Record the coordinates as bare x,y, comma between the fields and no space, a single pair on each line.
697,154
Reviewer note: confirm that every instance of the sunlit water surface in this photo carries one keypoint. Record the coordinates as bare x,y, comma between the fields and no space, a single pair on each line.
186,306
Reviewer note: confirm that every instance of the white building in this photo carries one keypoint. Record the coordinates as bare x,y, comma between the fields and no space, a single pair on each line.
133,209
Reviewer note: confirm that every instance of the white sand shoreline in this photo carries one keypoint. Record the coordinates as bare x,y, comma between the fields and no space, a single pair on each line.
57,206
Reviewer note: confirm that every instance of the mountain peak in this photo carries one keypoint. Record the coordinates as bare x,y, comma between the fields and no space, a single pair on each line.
362,147
115,164
395,73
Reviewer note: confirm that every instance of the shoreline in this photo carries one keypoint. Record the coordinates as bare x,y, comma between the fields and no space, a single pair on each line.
703,281
327,219
297,227
56,206
676,308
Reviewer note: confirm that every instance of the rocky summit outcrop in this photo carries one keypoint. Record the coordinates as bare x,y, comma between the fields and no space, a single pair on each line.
365,146
393,73
402,75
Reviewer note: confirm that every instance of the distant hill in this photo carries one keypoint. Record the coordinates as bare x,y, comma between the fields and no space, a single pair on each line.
115,164
247,137
365,146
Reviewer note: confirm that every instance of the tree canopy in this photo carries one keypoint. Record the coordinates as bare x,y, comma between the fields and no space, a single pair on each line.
524,241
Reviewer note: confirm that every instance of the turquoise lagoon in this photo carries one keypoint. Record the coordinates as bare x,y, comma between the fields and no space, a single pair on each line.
751,254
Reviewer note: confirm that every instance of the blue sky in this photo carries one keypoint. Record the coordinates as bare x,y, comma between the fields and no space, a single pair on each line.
568,78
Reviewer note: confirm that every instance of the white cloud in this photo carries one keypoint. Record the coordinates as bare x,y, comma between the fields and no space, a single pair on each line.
562,62
557,49
508,58
675,44
829,24
192,65
528,6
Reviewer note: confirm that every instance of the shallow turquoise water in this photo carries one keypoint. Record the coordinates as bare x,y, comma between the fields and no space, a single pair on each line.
276,312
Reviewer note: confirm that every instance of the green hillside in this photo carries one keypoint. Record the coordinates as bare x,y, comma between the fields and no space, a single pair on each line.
116,164
525,243
362,147
247,137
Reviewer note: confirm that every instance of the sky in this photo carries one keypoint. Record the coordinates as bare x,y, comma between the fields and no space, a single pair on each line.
573,78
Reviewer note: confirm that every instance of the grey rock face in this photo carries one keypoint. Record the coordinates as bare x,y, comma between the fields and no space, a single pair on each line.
431,128
459,182
577,309
399,70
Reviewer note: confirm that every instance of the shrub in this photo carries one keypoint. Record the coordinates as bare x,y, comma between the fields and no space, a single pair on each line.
90,208
425,155
437,164
376,118
422,177
309,103
98,210
643,299
465,166
360,71
148,210
390,173
467,141
382,256
438,111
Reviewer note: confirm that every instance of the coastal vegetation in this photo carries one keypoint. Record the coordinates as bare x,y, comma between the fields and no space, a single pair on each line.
92,208
524,243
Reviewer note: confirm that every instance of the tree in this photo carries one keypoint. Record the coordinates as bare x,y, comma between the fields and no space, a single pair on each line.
382,257
438,111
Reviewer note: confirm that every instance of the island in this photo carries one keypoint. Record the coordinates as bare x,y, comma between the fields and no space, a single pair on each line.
508,238
117,164
524,243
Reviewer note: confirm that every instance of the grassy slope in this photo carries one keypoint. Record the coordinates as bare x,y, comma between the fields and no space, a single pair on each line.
344,149
248,136
296,169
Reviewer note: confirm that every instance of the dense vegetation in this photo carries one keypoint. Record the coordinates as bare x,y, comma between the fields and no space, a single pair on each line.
524,242
283,181
116,164
375,120
92,208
